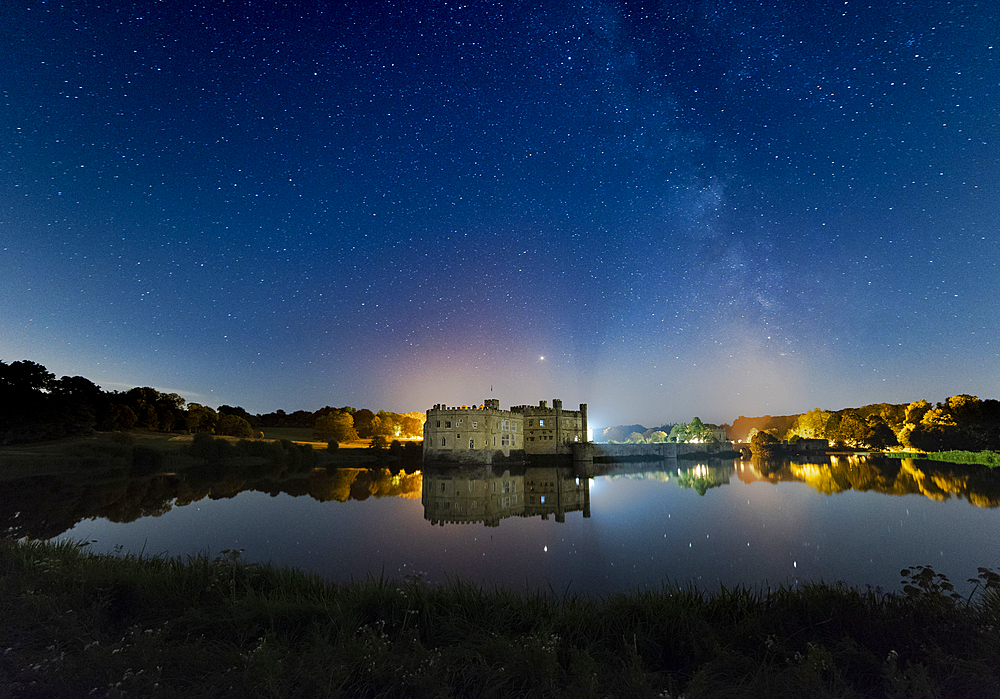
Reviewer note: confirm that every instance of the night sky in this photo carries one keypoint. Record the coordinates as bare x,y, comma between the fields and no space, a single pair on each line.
659,209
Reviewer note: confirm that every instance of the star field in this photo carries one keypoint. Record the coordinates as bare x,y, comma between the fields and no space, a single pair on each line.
709,210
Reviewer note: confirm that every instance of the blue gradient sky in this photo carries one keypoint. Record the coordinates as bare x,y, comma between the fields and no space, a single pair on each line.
706,209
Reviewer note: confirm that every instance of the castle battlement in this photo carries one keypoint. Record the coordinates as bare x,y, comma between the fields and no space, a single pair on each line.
488,406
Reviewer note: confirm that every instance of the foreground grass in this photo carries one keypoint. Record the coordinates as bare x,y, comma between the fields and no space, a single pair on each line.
74,624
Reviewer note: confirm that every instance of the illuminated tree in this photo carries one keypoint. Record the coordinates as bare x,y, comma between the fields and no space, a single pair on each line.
871,432
893,415
335,427
810,425
915,411
411,426
882,434
764,442
964,409
363,422
384,424
695,429
937,431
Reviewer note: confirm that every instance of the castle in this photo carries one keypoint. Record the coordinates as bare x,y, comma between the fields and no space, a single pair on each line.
486,434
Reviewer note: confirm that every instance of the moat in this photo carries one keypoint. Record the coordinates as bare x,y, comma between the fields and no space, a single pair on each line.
622,527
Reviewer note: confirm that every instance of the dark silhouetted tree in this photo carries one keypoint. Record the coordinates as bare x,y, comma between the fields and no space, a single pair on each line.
233,426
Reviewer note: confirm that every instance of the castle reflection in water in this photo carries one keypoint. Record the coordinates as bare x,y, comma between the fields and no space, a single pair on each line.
487,495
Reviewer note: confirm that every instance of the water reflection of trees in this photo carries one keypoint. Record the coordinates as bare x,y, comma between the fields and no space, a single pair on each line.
703,476
44,507
934,480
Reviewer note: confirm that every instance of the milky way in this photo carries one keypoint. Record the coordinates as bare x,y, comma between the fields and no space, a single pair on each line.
688,209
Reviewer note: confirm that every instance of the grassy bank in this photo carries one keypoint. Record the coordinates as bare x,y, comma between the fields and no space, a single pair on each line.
986,458
75,624
103,451
148,452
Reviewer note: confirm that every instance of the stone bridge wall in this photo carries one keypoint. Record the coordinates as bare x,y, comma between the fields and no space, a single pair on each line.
664,450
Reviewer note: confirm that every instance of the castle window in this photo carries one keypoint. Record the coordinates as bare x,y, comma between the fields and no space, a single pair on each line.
442,441
543,500
472,444
541,423
447,424
531,423
459,422
458,436
439,423
475,425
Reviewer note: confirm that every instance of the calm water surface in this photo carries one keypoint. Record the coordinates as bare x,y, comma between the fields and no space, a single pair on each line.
630,526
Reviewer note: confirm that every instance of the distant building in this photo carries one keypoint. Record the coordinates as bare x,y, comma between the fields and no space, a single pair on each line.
486,434
811,445
718,432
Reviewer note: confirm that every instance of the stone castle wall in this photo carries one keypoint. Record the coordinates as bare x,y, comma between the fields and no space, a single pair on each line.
485,434
552,430
473,435
661,450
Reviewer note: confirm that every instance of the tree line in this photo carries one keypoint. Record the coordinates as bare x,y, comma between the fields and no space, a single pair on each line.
961,422
703,432
36,406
